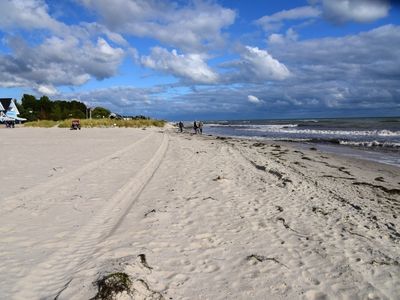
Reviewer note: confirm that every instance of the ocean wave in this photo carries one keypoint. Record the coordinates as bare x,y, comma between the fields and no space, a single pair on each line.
272,127
292,129
370,144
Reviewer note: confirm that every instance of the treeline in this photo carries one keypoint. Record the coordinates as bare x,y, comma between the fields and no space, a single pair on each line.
44,109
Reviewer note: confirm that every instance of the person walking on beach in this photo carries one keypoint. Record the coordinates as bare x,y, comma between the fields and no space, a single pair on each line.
195,127
201,127
180,126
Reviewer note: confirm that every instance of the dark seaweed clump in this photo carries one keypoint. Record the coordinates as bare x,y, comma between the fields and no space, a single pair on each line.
111,285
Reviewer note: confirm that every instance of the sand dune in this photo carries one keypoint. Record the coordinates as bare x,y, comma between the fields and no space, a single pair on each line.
192,217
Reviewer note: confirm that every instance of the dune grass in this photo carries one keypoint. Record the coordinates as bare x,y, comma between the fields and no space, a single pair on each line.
41,123
89,123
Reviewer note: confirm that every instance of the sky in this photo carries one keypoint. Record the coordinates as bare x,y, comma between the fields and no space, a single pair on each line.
206,59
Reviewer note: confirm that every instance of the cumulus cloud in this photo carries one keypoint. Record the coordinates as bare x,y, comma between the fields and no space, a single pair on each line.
27,14
335,11
353,55
277,38
340,11
58,61
47,90
330,75
253,99
357,71
190,67
194,27
60,55
275,21
126,100
256,65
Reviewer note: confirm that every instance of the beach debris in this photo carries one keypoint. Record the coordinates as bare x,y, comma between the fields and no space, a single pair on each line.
313,149
262,168
319,210
338,177
380,179
219,177
276,173
261,258
288,227
63,289
392,230
258,167
149,212
306,158
112,285
286,180
383,188
141,290
258,144
120,286
355,206
143,261
343,170
283,222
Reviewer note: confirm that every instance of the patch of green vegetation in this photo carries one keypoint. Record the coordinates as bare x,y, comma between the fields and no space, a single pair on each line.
89,123
41,123
111,285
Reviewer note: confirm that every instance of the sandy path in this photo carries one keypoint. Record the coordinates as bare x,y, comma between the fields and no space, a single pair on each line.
191,217
75,212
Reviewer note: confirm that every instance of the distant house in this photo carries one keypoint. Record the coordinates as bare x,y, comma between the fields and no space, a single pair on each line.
116,116
9,110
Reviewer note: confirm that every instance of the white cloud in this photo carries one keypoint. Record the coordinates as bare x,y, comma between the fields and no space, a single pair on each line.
194,27
275,21
340,11
253,99
277,38
336,11
47,90
27,14
58,61
190,66
260,65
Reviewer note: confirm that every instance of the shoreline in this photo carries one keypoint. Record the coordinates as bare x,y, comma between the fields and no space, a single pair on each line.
366,154
193,216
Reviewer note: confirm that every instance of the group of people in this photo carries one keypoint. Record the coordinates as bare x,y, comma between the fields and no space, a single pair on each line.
197,127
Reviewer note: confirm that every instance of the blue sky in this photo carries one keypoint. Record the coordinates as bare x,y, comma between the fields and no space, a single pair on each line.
206,59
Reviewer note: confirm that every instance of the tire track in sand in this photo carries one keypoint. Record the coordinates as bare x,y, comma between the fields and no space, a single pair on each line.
12,202
49,277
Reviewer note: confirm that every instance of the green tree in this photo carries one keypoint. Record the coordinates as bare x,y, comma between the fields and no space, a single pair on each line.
57,112
100,112
45,107
29,107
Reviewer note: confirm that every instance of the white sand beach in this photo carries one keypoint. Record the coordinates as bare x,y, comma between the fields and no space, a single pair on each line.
192,217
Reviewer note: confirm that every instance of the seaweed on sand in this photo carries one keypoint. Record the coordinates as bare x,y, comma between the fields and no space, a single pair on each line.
111,285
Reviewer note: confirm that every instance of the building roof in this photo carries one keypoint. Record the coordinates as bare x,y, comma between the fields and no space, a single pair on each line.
5,103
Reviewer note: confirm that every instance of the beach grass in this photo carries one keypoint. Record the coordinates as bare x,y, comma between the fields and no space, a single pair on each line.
41,123
90,123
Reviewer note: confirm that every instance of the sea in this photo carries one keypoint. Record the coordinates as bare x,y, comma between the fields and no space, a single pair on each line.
376,139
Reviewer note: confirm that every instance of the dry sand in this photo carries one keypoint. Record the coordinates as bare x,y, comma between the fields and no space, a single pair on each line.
192,217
